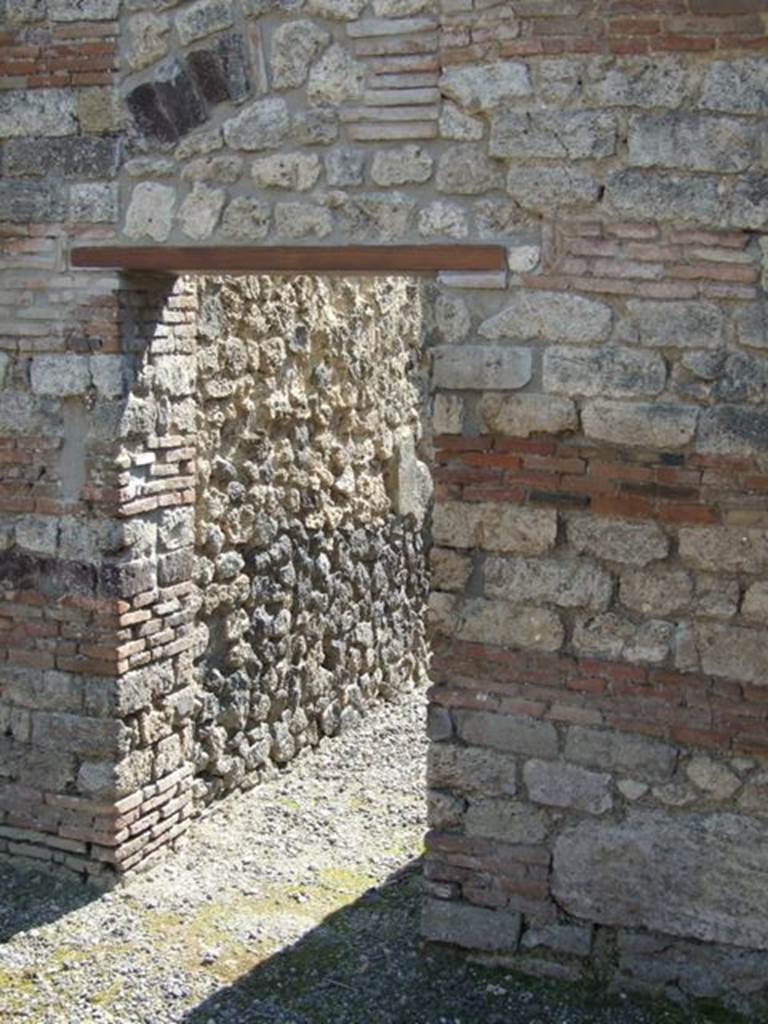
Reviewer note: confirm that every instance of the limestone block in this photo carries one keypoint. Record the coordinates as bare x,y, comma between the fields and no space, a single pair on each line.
542,187
93,203
450,570
712,777
174,375
150,211
199,213
76,156
176,528
443,220
610,636
498,218
573,940
452,318
495,527
109,373
692,142
262,124
724,549
735,430
471,770
448,414
716,597
60,375
550,316
736,86
223,169
755,607
647,82
146,38
551,134
83,10
375,216
50,690
345,166
246,218
711,885
754,799
202,18
200,144
99,110
337,10
49,112
733,652
409,164
660,195
95,737
411,480
523,415
336,77
149,167
650,759
556,784
508,625
295,44
512,734
752,324
697,324
748,206
302,220
403,8
296,171
109,780
316,126
522,259
566,582
480,88
643,424
457,126
612,372
23,12
618,540
656,593
466,170
462,924
37,534
31,202
481,367
512,821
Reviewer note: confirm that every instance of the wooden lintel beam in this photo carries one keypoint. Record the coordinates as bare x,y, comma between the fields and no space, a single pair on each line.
348,259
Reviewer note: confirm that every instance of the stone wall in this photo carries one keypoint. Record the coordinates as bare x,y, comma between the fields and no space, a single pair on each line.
310,506
598,412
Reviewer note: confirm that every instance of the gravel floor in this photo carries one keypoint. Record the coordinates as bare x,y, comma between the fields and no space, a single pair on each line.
296,903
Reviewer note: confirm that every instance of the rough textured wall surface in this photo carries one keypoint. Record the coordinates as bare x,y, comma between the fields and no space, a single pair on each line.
310,506
599,417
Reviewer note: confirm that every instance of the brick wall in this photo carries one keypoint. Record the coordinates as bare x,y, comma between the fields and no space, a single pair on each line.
598,419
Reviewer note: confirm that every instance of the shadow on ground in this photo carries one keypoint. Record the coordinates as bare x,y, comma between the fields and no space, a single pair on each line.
29,899
364,964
